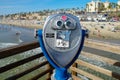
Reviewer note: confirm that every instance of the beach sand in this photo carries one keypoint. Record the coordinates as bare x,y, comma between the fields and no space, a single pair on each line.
23,23
102,29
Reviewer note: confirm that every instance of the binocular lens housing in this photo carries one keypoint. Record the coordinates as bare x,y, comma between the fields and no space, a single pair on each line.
59,24
65,25
69,25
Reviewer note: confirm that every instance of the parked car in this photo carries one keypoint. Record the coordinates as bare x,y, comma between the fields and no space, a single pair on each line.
114,19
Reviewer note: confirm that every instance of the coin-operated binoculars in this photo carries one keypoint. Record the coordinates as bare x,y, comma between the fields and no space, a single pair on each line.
61,42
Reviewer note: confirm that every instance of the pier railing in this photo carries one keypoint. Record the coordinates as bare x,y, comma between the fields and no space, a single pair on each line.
15,50
42,70
98,71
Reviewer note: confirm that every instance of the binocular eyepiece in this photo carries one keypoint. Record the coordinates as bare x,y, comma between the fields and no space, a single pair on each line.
70,25
64,24
59,24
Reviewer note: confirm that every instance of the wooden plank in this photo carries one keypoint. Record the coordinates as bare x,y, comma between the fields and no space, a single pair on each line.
101,58
75,77
99,69
73,72
41,74
18,63
103,46
6,52
85,73
50,73
16,76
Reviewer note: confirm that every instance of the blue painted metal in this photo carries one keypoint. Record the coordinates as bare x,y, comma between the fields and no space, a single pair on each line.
60,73
44,50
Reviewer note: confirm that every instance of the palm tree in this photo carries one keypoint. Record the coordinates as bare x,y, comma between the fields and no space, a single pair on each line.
87,5
92,5
102,7
62,10
7,16
78,9
116,7
106,10
1,16
110,7
29,13
73,8
113,5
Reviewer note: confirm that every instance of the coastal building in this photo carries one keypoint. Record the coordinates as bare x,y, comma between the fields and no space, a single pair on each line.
93,6
98,6
119,2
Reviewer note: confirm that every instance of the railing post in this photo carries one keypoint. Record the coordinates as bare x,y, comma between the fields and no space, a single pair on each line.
73,72
50,73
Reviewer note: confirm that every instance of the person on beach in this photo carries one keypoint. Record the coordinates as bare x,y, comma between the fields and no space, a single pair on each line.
87,33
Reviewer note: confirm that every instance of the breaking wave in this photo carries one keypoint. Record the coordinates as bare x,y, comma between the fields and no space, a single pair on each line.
4,45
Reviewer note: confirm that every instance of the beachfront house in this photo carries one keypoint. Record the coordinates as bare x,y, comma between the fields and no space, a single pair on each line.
94,6
99,6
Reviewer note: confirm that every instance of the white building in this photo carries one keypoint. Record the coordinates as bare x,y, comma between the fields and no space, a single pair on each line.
93,6
96,5
119,2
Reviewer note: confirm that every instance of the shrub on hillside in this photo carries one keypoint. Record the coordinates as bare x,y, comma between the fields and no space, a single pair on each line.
117,28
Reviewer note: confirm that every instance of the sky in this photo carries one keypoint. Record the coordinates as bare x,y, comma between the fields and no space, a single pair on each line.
17,6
